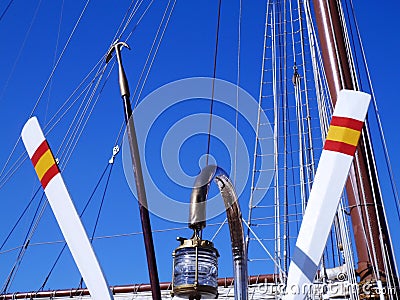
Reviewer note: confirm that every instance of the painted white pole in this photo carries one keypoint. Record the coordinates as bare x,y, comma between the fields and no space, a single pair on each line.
64,210
333,168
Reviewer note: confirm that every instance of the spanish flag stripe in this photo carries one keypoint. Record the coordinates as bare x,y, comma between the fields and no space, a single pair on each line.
44,163
343,134
340,147
347,122
49,175
44,146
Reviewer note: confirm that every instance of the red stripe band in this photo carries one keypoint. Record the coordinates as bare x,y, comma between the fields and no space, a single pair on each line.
39,152
49,175
340,147
347,122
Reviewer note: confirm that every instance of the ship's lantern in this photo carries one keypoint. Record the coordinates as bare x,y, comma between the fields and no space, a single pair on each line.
195,269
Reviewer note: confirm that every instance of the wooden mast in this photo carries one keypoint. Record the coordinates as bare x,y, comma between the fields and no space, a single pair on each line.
362,186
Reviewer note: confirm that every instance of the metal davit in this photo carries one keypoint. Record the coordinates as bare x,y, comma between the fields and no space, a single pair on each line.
195,260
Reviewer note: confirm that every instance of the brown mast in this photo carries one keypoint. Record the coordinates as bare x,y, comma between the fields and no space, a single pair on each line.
362,186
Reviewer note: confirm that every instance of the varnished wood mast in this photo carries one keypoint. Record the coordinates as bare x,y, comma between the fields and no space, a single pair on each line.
363,192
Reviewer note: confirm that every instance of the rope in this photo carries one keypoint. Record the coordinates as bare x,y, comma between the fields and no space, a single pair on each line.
81,214
19,219
5,86
378,120
237,94
155,52
32,228
98,214
47,83
54,58
75,136
59,58
6,9
213,82
253,176
4,178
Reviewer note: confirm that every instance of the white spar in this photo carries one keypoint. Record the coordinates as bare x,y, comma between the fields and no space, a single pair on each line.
330,178
64,210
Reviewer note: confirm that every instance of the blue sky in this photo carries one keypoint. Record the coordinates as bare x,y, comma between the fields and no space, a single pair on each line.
32,43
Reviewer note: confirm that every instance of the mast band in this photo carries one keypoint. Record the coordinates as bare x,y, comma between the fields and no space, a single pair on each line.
44,164
343,135
347,122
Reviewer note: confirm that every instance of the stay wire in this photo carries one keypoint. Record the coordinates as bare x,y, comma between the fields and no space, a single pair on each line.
30,230
143,69
20,218
32,227
99,212
6,9
237,93
119,32
104,237
156,51
82,121
80,215
378,120
54,58
49,79
213,82
5,178
60,57
21,48
149,56
25,244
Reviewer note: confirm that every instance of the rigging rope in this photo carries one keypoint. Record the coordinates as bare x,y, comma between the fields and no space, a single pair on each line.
390,273
20,218
80,215
213,82
4,178
99,212
155,52
81,122
54,58
6,9
59,58
21,48
384,146
237,94
48,81
32,228
378,119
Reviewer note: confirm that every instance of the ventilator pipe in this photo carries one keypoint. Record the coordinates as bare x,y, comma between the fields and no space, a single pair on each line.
197,220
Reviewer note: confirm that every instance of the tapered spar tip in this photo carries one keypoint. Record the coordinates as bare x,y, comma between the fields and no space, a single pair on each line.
113,47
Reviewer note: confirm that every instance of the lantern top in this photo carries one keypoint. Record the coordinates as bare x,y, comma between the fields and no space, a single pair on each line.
196,242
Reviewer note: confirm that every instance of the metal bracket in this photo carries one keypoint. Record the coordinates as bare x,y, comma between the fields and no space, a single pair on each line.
114,154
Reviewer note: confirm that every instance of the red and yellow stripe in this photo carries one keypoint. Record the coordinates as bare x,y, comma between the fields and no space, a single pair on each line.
343,135
44,163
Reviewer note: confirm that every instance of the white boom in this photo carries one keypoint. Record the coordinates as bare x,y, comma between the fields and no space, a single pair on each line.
64,210
330,178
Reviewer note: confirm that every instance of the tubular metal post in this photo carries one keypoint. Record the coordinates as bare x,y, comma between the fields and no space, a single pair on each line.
137,170
197,221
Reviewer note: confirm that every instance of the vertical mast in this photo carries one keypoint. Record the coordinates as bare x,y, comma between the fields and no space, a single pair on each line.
362,186
137,172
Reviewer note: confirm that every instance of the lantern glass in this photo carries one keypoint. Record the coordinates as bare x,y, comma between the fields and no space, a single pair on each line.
185,267
195,271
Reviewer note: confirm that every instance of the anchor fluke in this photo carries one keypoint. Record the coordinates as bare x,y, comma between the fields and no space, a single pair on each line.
123,81
114,46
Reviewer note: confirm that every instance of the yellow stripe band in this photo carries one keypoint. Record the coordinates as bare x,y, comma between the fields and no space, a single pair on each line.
45,162
344,135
